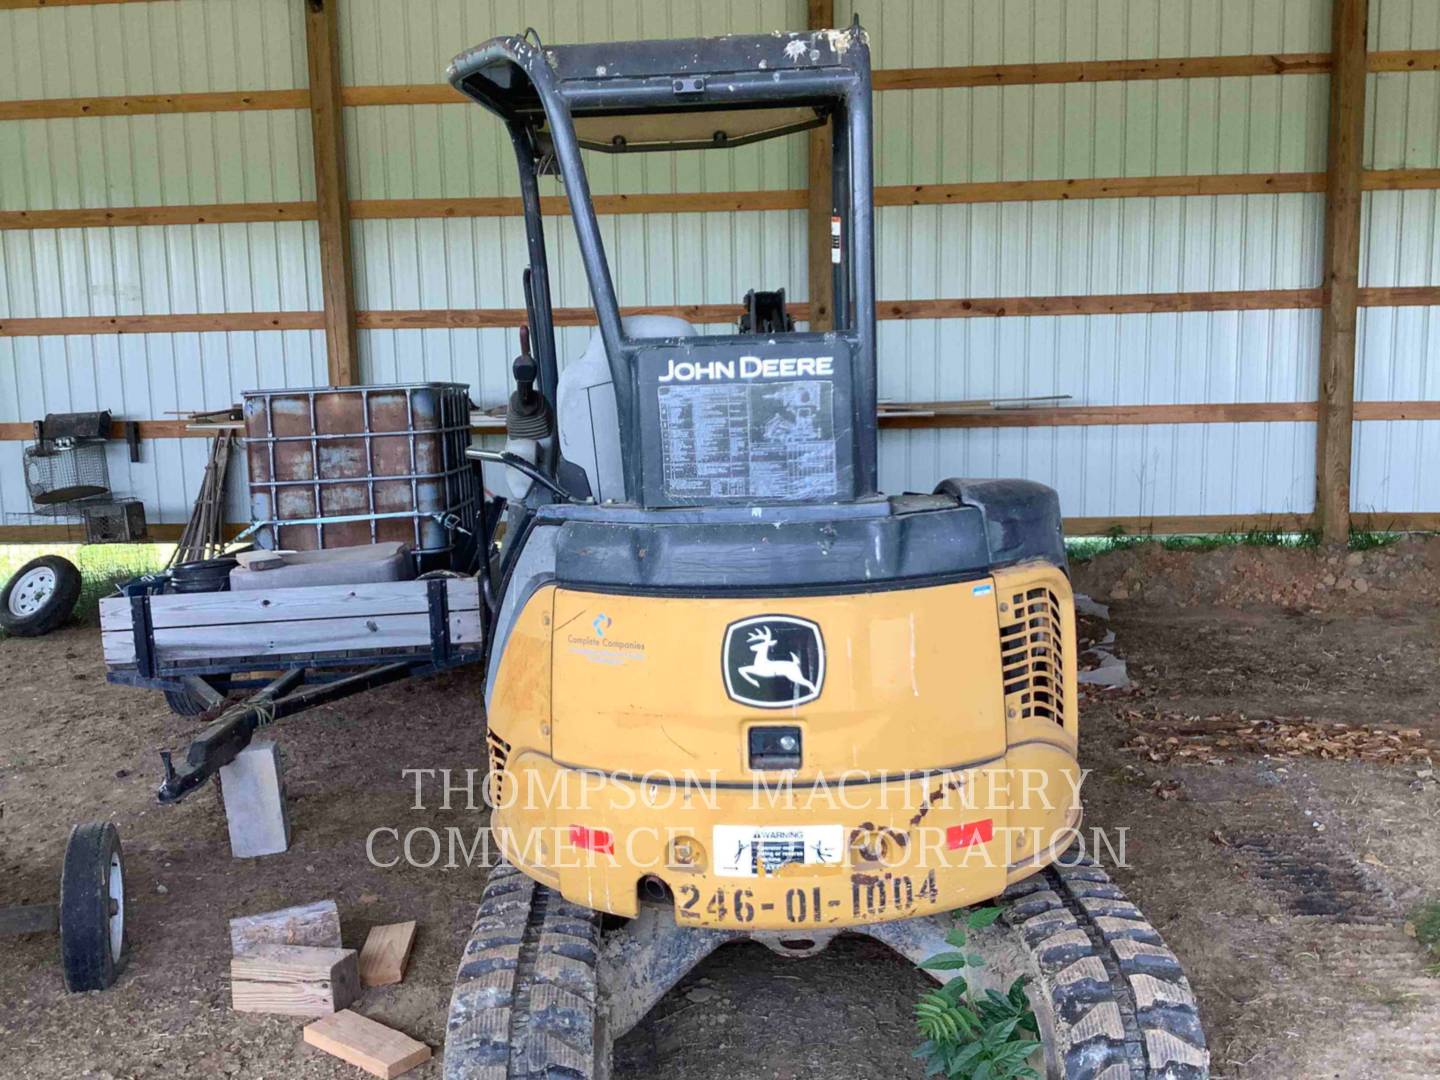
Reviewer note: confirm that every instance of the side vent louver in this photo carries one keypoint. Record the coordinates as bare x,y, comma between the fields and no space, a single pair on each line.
1032,661
499,756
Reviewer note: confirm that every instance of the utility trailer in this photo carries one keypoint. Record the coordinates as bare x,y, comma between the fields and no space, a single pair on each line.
292,648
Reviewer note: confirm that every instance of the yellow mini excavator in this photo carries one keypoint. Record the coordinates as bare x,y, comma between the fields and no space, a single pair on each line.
732,690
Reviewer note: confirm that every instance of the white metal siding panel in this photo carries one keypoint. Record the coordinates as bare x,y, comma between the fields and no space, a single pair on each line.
1142,128
934,136
1394,464
459,151
113,50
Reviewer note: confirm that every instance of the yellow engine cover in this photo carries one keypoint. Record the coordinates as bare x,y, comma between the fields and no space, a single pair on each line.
933,729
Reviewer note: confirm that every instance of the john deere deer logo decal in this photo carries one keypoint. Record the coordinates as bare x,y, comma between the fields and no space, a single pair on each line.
774,661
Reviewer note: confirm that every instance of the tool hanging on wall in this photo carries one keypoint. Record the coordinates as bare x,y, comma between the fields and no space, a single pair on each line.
204,537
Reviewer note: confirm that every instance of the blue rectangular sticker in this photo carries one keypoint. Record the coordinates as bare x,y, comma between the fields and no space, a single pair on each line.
982,590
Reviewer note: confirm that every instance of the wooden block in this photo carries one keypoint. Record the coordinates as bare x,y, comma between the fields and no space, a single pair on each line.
379,1050
253,786
296,980
386,952
315,924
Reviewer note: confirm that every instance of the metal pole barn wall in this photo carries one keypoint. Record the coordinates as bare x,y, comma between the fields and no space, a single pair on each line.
1122,201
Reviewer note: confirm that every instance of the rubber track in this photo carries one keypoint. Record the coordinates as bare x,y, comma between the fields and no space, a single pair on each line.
524,1005
1123,1008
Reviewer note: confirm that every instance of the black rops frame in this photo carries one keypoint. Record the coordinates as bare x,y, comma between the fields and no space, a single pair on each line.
537,91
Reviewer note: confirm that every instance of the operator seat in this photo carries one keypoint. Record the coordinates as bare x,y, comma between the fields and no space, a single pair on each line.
589,425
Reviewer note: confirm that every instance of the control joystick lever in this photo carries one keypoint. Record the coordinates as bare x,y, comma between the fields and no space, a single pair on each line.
527,416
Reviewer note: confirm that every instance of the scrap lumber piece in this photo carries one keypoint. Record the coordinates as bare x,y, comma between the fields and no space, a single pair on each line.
379,1050
316,924
386,952
295,980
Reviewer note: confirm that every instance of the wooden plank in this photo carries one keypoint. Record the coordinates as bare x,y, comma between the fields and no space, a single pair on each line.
316,925
386,952
1341,271
322,50
820,200
149,429
366,1044
137,216
284,604
1397,410
1119,304
153,104
1088,71
271,641
1399,296
294,980
1384,521
691,202
15,5
1398,179
1106,415
1180,67
402,94
1404,60
1123,187
163,324
1183,524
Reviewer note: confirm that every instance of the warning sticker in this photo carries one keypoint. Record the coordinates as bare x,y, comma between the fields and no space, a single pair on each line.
767,440
750,850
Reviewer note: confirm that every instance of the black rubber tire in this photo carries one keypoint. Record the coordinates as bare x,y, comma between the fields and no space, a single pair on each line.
184,703
89,960
1122,1008
525,1001
54,610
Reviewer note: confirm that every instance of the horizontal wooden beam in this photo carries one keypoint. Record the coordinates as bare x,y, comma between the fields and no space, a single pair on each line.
1404,60
136,216
1116,304
472,318
1089,71
1073,71
958,308
18,5
919,416
688,202
154,104
402,94
1079,71
682,202
1187,524
149,429
1212,524
163,324
1106,416
1158,525
1399,296
1397,410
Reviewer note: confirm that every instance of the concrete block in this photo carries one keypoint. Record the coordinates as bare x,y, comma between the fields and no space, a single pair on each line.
254,790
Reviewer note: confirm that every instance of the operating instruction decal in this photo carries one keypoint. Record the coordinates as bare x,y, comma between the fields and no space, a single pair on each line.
759,440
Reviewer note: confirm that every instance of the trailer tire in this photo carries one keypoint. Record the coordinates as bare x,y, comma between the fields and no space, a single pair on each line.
525,1004
93,945
40,596
186,703
1119,1004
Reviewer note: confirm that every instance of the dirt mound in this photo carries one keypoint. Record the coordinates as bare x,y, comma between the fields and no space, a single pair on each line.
1401,575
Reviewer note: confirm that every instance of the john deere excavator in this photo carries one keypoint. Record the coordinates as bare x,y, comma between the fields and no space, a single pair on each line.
733,691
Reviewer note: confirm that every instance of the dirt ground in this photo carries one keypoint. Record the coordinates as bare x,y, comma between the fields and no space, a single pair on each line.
1281,881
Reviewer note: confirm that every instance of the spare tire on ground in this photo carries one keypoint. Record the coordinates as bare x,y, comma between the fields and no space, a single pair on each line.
39,596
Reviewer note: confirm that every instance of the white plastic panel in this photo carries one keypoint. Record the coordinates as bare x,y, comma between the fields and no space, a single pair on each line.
1190,126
